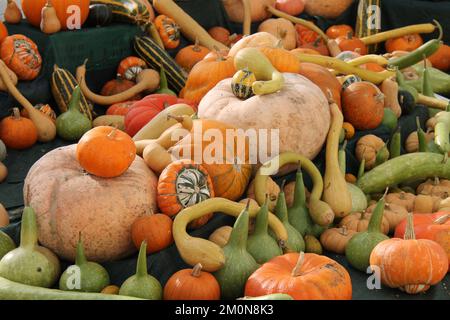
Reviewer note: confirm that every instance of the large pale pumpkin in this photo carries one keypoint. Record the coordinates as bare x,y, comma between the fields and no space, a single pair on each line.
300,111
67,201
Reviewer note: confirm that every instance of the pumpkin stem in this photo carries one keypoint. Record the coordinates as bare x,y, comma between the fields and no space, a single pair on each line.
112,134
80,257
350,35
442,219
16,113
409,232
344,231
301,259
220,55
197,270
196,47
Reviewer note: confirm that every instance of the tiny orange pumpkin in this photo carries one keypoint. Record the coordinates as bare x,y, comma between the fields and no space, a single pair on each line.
18,132
168,30
155,228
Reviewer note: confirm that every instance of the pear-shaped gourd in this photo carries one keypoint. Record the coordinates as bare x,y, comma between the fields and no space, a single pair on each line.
12,12
313,245
260,244
84,275
298,214
6,244
49,20
360,246
72,124
30,263
142,285
239,263
3,152
295,240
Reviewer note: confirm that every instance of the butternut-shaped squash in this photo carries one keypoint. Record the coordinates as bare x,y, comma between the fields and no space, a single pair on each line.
389,87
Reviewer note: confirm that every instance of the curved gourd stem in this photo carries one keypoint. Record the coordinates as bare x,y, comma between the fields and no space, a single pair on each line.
246,28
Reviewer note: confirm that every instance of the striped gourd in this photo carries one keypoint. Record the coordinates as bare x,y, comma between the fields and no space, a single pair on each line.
368,21
241,84
156,57
130,11
62,84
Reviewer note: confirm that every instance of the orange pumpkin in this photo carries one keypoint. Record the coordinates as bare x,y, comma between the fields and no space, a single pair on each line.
106,152
32,10
282,60
18,132
206,74
3,32
130,67
220,34
363,105
22,56
168,30
156,229
440,59
117,86
190,55
44,108
403,265
305,35
119,109
349,130
406,43
351,43
318,45
192,284
304,51
339,30
304,276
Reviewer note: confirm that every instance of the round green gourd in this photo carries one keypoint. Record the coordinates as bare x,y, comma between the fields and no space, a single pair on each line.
6,244
260,244
2,151
72,124
359,199
93,277
142,285
30,263
239,264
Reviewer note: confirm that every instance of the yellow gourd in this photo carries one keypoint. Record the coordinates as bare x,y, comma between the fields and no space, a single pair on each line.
156,157
12,13
12,76
49,20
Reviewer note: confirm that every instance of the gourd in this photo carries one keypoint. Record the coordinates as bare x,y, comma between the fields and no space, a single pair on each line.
350,43
393,213
142,285
426,204
292,7
46,129
335,193
30,263
312,245
119,109
410,273
404,199
163,86
49,20
92,276
118,86
18,132
72,124
367,148
192,284
359,222
361,244
274,296
3,152
272,190
256,40
12,12
111,121
241,84
11,75
4,217
6,244
130,67
156,229
329,10
435,187
112,289
168,30
239,264
156,157
359,200
147,80
336,239
260,244
221,236
389,88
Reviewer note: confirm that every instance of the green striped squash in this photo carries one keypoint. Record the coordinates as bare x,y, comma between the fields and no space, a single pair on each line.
368,21
130,11
62,84
241,84
156,57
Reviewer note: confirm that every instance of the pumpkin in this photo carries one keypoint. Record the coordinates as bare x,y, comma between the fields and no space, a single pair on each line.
3,172
221,235
434,227
281,28
412,142
3,31
318,45
242,82
402,263
21,55
404,199
168,30
323,78
349,130
405,43
192,284
426,203
440,59
272,190
335,239
18,132
220,34
303,121
183,184
359,222
367,148
119,85
351,43
304,276
156,229
363,105
235,9
32,11
256,40
130,67
393,213
330,9
435,187
339,30
190,55
49,23
62,213
304,51
282,59
291,7
119,109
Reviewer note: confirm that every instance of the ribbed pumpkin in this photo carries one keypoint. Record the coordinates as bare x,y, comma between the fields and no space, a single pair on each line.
18,132
189,56
156,229
130,67
118,85
282,60
329,9
32,10
119,109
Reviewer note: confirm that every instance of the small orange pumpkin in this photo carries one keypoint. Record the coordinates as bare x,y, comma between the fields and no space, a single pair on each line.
190,55
119,109
156,229
220,34
106,152
18,132
349,130
351,43
339,30
117,86
168,30
406,43
130,67
318,45
440,59
3,32
282,59
192,284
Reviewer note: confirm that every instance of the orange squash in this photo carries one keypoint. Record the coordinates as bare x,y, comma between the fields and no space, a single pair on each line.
18,132
119,109
406,43
117,86
156,229
305,51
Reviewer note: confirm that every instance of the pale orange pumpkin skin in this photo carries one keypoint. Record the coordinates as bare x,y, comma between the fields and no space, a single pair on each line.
156,229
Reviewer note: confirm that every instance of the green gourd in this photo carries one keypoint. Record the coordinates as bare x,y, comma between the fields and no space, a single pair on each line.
360,246
3,152
423,147
298,214
361,169
427,88
30,263
84,276
395,148
389,119
359,199
295,240
382,155
342,158
163,86
142,285
72,124
239,263
260,244
6,244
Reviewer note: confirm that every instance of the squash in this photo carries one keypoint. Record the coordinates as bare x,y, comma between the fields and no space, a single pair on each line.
3,31
367,148
111,121
156,157
221,235
235,9
256,40
112,289
17,132
60,223
11,75
49,22
100,15
389,88
129,11
117,86
272,190
327,9
351,43
304,276
156,229
313,245
393,213
336,192
44,108
441,58
281,28
6,244
221,34
338,30
119,109
242,83
282,59
435,187
190,55
408,43
359,221
410,273
403,199
426,204
130,67
12,13
336,239
412,142
359,199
